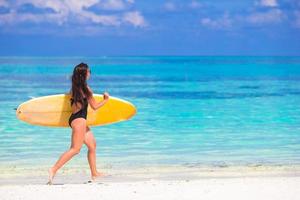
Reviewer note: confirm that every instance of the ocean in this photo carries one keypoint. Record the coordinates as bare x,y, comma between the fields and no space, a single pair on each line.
212,111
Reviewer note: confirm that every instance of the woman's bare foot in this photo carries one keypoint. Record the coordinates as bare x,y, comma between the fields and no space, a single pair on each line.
51,175
97,175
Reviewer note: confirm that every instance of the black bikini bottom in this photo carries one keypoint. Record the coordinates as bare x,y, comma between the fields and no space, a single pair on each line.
79,114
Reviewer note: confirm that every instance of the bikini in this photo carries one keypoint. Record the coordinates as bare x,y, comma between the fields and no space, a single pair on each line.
82,113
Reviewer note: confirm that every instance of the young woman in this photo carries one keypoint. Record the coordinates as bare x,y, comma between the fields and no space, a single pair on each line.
81,96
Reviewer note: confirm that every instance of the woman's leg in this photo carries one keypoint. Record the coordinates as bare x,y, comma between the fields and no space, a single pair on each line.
78,131
90,142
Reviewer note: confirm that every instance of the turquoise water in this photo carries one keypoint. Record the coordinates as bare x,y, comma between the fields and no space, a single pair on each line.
191,111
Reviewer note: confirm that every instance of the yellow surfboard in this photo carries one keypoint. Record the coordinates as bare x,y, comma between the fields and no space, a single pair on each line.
55,110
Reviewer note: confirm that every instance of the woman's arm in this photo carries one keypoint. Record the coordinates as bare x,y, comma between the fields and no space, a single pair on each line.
96,105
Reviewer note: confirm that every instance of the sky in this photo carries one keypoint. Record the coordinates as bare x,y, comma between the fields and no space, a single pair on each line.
149,28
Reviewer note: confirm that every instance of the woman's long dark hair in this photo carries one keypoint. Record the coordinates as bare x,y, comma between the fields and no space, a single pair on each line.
79,84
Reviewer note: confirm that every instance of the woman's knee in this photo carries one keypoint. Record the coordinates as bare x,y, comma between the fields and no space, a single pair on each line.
75,150
92,148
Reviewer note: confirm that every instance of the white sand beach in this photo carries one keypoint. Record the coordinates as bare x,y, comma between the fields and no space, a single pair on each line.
272,188
229,183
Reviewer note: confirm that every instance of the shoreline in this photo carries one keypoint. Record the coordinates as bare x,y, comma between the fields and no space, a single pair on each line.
81,174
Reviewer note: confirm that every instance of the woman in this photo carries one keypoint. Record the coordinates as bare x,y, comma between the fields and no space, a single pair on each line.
81,96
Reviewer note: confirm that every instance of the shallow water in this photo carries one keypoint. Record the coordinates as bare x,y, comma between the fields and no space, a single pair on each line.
191,111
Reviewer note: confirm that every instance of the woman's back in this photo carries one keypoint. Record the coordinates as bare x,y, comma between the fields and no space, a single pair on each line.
78,106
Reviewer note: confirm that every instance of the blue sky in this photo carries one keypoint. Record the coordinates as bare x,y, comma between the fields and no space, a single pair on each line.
153,27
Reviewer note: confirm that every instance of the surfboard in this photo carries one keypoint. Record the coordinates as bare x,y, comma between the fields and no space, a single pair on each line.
55,110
